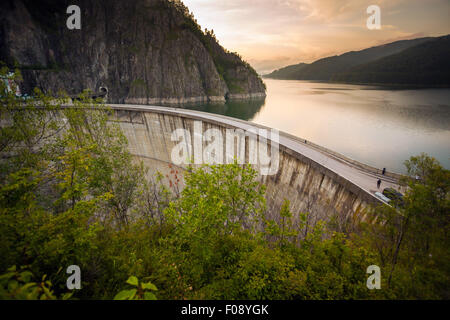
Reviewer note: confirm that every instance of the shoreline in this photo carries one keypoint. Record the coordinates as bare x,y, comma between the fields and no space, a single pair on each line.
195,100
392,86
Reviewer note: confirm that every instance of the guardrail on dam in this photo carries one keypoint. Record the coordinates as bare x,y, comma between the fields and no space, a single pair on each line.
314,179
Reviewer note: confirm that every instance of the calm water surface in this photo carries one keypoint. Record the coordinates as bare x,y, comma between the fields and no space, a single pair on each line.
373,125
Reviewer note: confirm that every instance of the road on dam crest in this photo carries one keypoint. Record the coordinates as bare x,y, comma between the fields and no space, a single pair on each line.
363,176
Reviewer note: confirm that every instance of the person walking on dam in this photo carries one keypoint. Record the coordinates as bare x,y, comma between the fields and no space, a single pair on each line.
378,183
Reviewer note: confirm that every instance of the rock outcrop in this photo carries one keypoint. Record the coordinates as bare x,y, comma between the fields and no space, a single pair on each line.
143,51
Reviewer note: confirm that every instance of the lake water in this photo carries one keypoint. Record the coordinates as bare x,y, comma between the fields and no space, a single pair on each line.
373,125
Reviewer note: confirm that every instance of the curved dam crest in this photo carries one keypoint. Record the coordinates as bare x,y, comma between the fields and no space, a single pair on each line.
314,179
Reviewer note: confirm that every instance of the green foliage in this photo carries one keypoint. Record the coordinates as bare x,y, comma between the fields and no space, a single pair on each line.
217,198
66,180
71,194
285,230
412,241
18,285
138,291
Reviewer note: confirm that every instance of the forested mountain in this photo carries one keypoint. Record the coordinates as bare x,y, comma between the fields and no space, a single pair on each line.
390,58
289,72
425,64
143,51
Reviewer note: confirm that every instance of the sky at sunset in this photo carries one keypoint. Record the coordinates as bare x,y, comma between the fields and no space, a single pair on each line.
270,34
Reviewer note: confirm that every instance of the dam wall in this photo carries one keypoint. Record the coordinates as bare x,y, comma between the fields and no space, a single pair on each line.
309,185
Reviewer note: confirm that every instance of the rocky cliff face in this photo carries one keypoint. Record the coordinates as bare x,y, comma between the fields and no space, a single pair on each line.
143,51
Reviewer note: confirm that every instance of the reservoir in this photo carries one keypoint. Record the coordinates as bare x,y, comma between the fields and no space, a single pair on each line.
375,125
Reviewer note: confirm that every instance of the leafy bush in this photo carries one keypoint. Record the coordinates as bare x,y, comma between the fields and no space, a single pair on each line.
139,290
17,285
71,194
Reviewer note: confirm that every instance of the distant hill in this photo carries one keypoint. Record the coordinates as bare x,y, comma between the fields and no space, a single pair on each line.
288,73
424,64
339,68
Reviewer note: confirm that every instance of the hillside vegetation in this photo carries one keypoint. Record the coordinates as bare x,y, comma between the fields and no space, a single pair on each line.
424,64
420,61
71,194
288,73
143,51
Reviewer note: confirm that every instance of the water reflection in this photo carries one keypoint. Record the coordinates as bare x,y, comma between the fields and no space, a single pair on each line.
245,110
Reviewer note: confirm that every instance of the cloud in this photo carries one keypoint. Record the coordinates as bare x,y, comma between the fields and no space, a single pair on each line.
274,33
332,10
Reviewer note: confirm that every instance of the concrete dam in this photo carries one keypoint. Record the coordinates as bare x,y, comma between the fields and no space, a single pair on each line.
314,179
